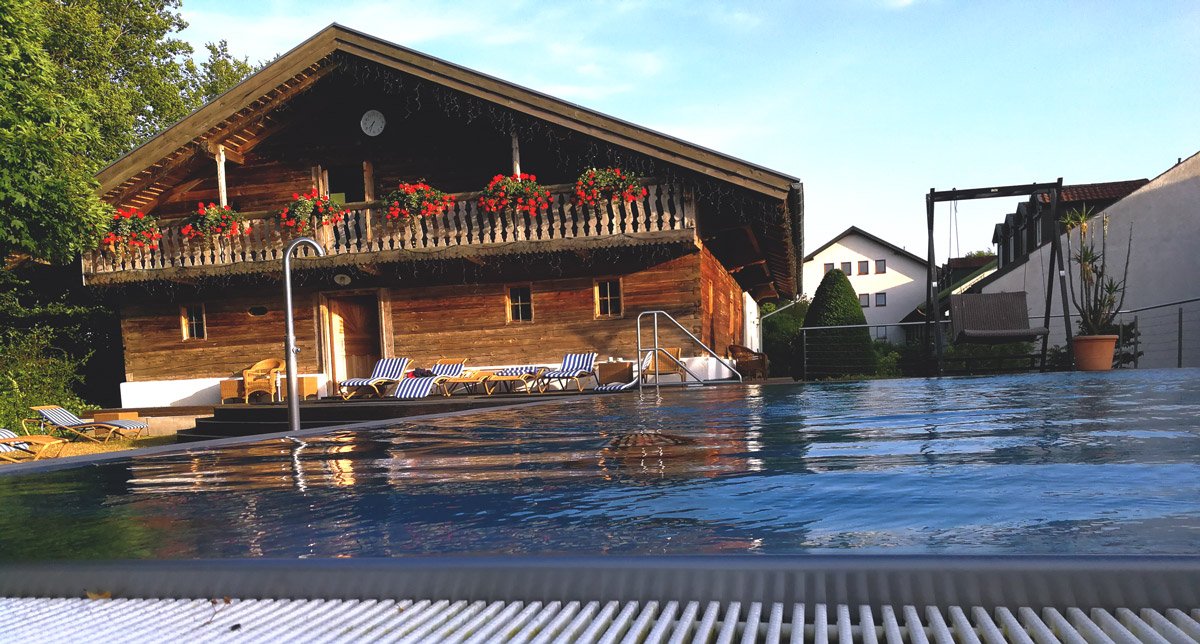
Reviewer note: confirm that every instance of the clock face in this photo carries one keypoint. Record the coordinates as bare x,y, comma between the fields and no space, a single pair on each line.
372,123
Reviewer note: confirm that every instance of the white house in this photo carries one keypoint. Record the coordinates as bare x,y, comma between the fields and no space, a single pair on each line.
889,280
1165,219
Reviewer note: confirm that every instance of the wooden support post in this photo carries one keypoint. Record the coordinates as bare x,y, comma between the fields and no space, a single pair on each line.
932,314
222,192
516,154
368,195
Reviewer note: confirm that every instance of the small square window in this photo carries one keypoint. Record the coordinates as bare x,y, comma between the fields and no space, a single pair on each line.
829,267
191,319
520,304
846,268
881,333
864,267
881,299
881,266
608,298
864,300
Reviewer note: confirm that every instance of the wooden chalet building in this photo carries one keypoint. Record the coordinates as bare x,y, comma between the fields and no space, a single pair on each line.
713,236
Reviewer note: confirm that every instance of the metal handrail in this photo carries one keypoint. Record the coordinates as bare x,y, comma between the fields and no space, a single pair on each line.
644,353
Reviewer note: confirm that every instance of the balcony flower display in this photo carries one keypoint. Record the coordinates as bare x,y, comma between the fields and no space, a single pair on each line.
520,193
608,184
412,200
214,222
308,210
132,228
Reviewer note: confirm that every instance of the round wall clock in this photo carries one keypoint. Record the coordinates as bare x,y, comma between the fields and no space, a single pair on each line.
372,123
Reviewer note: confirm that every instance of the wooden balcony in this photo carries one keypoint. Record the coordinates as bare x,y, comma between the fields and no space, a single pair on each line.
667,214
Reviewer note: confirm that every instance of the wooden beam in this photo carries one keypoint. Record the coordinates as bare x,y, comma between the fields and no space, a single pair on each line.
161,173
222,192
230,155
167,195
516,154
738,269
478,261
368,181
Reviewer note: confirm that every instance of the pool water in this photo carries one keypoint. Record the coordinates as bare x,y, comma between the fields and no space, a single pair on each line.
1025,464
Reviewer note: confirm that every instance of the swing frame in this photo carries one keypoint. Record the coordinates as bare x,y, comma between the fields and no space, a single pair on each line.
933,344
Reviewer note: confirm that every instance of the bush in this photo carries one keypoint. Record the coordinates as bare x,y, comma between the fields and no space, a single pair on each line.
833,353
33,372
781,336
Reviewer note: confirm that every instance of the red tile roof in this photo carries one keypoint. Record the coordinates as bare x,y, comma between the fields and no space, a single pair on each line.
1097,191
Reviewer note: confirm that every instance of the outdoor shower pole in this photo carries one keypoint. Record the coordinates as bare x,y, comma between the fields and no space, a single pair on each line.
289,340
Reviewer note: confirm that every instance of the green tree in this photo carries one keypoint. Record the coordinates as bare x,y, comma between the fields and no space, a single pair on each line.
831,353
215,75
781,335
48,206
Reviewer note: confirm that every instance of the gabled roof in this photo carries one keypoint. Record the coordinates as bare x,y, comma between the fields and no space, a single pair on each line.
299,68
855,230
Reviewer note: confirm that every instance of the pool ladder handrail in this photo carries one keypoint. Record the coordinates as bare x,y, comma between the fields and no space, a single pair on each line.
643,353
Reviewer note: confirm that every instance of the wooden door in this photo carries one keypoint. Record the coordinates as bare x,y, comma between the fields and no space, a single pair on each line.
353,336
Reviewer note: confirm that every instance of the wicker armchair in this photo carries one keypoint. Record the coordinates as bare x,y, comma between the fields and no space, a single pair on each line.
751,364
262,377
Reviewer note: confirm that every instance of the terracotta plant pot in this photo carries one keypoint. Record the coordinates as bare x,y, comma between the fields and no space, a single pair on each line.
1094,352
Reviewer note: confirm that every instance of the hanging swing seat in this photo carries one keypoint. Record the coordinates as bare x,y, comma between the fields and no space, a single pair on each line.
991,318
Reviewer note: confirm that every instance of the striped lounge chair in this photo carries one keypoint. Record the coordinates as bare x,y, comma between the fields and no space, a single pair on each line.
422,386
58,419
386,372
575,366
15,448
508,378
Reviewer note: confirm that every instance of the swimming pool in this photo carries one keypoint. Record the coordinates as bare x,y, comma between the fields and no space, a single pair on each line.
1026,464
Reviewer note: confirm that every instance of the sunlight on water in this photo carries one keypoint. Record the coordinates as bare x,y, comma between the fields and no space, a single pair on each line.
1057,463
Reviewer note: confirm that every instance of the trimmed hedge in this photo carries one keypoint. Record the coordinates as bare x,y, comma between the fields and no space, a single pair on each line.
835,353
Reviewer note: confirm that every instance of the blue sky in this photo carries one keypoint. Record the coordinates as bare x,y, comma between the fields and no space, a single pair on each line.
870,102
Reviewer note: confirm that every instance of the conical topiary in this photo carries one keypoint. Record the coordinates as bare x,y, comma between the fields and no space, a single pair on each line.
830,353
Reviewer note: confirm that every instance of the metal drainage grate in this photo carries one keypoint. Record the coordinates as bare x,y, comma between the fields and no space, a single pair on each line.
337,620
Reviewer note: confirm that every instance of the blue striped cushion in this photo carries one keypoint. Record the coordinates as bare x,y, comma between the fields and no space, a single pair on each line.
126,424
390,368
415,387
616,386
453,370
11,447
356,382
517,371
577,362
61,417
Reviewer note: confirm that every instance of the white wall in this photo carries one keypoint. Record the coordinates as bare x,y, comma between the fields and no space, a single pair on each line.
904,280
183,393
750,313
1163,265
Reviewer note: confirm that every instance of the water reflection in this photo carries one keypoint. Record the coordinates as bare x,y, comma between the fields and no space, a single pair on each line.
1053,463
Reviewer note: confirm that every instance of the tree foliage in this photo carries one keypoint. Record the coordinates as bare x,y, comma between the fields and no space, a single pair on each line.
831,353
81,83
34,372
781,336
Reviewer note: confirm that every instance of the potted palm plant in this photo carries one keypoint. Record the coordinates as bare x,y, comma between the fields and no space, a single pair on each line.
1095,293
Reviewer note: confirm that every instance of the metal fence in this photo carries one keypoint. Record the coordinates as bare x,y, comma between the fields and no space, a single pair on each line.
1163,335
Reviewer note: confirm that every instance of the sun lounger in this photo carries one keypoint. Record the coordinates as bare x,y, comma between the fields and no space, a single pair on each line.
468,380
387,371
448,368
35,447
58,419
527,376
413,388
575,367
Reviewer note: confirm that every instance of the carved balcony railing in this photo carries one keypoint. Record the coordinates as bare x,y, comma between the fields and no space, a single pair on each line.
666,213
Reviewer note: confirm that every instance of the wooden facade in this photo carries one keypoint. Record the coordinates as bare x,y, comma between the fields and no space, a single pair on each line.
709,229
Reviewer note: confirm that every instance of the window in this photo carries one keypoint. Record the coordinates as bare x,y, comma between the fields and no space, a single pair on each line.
846,268
881,299
191,318
829,267
864,300
881,266
608,298
520,304
257,311
864,267
347,183
881,332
